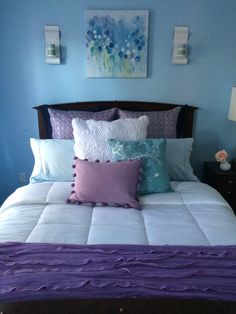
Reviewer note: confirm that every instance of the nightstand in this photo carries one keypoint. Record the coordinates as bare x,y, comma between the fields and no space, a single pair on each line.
223,181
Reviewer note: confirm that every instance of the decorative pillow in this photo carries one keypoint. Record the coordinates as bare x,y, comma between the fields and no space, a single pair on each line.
91,137
178,153
162,123
61,120
106,183
53,160
154,176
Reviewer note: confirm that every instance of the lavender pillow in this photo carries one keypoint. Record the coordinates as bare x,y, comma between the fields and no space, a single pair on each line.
108,183
61,120
162,123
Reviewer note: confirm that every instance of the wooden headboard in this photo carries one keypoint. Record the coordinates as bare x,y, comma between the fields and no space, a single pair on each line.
184,125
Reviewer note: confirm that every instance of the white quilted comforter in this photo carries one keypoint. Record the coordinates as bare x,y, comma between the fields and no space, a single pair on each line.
195,214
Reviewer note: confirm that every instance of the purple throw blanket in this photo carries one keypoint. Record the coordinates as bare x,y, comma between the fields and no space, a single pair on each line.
32,271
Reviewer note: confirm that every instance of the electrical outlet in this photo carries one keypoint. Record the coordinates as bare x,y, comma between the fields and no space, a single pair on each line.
22,177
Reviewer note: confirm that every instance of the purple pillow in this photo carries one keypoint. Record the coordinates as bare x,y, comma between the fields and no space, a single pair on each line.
106,183
162,123
61,120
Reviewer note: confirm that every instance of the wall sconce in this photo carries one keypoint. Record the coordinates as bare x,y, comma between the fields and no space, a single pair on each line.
52,44
180,45
232,107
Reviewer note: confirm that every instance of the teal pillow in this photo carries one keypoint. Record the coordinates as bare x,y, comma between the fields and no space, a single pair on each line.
154,175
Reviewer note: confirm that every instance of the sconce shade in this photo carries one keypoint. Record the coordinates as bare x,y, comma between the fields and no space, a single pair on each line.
232,107
181,51
51,50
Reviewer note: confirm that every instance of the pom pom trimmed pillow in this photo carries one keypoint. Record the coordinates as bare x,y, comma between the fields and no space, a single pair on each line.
109,183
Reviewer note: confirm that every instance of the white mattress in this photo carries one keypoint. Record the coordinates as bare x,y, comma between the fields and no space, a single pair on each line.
195,214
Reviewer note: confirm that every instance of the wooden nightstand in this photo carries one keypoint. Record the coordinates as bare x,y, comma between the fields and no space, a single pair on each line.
223,181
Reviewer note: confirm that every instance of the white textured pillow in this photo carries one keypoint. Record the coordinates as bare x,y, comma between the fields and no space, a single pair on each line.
91,137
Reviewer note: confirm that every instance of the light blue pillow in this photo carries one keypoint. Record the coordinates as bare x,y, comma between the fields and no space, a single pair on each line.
153,173
53,160
178,154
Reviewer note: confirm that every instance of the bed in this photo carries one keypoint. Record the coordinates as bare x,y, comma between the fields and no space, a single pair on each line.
168,257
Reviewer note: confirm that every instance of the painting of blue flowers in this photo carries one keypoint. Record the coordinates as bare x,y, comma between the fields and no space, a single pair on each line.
116,43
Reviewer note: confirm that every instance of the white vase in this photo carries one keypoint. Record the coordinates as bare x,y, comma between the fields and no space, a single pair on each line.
225,166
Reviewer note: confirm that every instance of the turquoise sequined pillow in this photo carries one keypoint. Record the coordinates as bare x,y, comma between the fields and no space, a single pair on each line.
154,175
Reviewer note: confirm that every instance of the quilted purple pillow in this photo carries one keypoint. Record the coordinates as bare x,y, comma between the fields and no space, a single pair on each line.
106,183
61,120
162,123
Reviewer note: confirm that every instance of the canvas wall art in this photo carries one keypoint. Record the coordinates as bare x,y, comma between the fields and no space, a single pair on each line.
116,43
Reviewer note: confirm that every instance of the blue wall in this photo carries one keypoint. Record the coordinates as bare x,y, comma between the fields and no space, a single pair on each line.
25,79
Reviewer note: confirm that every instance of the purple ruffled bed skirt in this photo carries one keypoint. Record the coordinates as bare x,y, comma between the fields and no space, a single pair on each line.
32,271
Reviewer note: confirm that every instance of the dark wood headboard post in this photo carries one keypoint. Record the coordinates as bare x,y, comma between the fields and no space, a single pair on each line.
185,121
184,124
43,127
